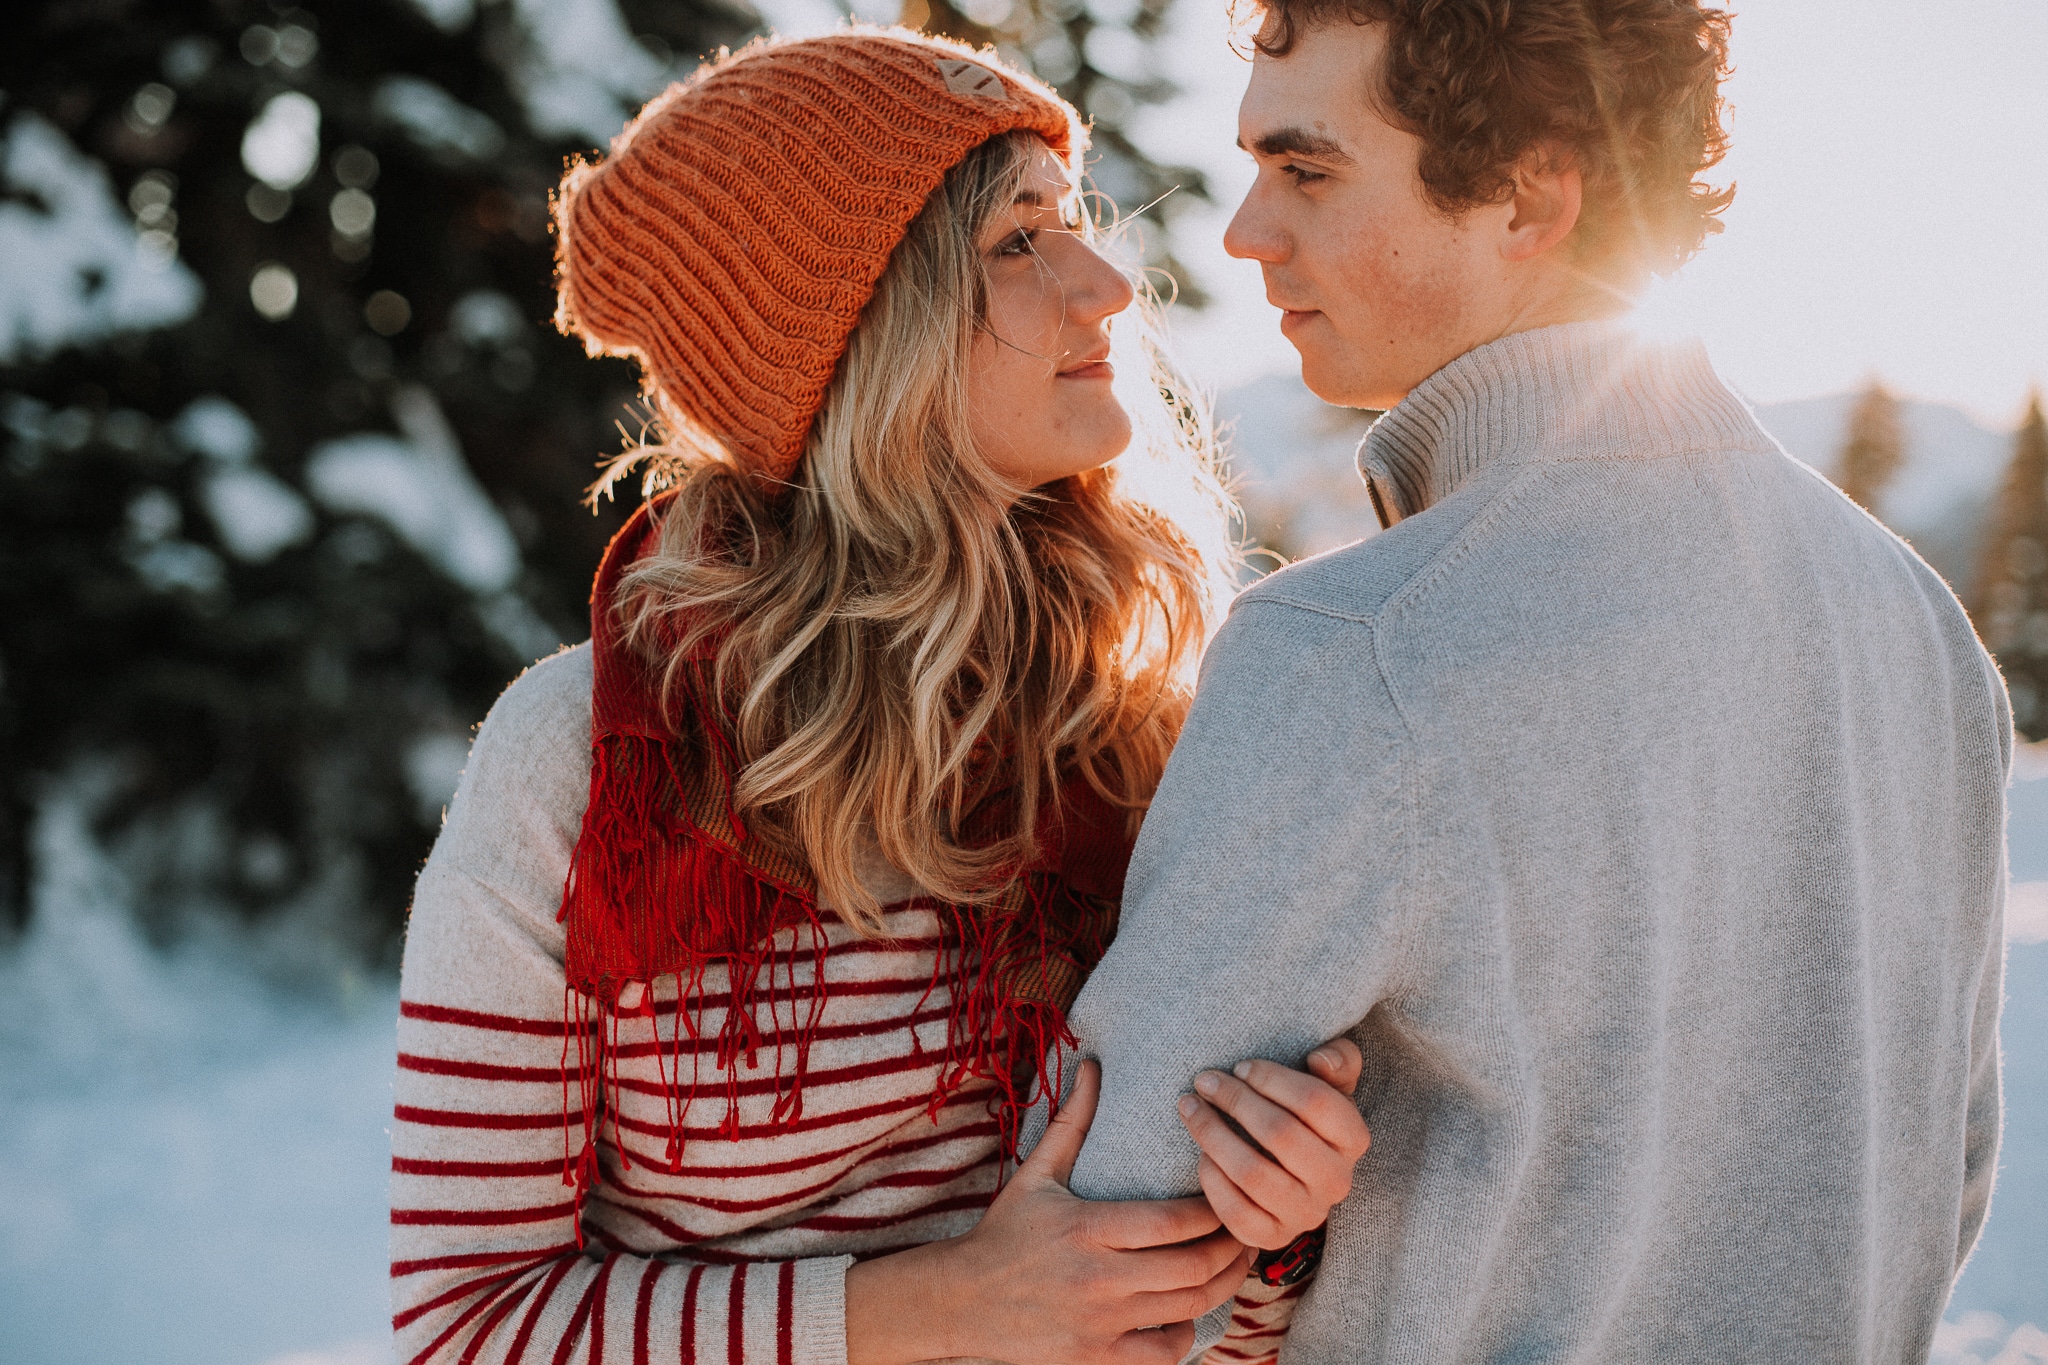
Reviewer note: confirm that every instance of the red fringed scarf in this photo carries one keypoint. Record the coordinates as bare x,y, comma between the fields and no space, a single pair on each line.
666,880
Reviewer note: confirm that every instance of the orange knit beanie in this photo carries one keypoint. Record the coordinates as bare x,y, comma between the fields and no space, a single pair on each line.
732,237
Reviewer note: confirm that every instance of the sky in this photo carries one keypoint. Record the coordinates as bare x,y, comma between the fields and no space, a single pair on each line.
1891,214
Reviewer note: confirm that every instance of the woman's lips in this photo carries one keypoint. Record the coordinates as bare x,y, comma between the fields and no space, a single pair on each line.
1098,369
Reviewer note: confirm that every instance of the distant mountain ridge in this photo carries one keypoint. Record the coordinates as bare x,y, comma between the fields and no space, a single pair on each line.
1293,458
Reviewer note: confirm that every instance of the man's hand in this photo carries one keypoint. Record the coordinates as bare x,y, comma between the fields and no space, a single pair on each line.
1311,1132
1047,1278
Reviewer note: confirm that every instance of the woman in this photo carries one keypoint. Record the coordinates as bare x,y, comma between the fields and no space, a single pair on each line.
753,920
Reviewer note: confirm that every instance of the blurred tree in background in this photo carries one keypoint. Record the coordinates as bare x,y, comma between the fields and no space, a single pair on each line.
292,454
2010,602
1875,449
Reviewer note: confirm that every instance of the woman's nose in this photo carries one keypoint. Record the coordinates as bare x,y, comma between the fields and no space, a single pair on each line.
1101,292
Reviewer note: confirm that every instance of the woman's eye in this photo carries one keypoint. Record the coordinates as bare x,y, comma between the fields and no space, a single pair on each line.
1018,243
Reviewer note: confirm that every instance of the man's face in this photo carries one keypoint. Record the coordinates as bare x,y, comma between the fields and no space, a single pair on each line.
1380,290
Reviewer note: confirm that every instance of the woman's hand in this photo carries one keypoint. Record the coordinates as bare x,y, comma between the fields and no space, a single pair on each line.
1308,1125
1050,1278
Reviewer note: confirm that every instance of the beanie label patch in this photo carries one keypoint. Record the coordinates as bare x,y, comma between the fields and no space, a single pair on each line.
968,78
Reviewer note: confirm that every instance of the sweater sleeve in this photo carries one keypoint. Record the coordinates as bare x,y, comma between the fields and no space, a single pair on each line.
486,1261
1267,900
1258,1323
1982,1118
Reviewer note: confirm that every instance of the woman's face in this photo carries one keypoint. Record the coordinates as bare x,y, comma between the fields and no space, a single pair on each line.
1038,377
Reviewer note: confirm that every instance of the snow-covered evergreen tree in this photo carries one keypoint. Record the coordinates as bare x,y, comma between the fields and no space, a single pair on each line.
292,454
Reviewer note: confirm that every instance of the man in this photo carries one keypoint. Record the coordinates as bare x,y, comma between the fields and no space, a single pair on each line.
1634,800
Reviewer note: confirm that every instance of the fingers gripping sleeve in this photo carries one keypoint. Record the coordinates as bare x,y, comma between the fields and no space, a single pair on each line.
485,1260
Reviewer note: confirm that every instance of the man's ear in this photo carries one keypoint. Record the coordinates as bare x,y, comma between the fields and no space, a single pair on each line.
1549,192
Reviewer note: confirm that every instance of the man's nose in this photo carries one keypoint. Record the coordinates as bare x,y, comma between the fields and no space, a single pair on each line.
1252,234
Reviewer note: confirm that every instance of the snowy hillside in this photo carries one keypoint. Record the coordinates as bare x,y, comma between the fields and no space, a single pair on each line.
1294,458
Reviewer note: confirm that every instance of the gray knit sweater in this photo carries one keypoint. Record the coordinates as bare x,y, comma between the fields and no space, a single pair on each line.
1636,802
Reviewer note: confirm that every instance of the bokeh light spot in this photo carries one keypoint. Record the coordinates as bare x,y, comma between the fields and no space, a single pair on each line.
274,290
387,312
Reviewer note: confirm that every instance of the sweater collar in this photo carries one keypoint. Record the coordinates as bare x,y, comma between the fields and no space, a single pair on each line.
1580,390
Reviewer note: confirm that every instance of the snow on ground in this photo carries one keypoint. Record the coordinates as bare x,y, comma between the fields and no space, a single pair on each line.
193,1163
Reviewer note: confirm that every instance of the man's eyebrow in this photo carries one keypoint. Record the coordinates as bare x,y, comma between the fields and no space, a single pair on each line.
1299,142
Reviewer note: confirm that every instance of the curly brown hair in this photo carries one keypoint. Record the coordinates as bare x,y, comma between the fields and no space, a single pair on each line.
1630,88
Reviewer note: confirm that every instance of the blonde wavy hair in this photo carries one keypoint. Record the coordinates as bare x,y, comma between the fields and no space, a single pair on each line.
900,635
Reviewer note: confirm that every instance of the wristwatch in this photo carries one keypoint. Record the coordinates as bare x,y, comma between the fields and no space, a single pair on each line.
1292,1263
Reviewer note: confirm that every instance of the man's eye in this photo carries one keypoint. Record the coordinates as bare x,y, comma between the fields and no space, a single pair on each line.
1302,175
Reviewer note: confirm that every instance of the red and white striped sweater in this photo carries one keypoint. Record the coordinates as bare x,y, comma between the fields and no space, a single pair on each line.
736,1250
